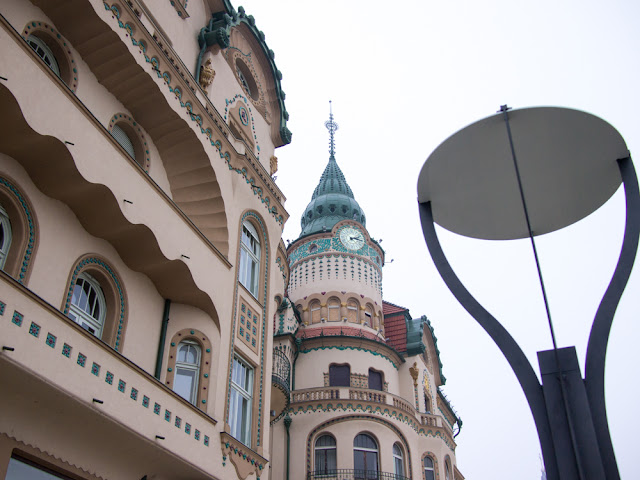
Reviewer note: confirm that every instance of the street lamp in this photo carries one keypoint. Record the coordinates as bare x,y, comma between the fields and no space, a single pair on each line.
520,174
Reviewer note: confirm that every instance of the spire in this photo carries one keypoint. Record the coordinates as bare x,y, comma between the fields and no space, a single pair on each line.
332,200
332,127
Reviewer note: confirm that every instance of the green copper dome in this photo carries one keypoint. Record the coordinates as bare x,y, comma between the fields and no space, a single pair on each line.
332,201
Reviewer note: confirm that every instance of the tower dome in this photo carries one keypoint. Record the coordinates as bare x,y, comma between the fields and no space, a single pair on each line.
332,200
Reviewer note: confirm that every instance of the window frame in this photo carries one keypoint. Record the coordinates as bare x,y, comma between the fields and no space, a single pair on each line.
80,315
398,459
192,367
366,472
325,470
431,469
381,374
47,53
250,256
237,418
5,223
333,378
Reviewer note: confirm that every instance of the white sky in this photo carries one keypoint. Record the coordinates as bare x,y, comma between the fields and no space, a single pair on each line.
403,77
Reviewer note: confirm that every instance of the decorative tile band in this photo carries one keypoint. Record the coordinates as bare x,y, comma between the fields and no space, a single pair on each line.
51,340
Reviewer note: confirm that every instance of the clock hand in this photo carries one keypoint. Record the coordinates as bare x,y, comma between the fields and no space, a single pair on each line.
354,238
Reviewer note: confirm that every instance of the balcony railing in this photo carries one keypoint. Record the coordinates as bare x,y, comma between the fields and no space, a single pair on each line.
347,474
281,371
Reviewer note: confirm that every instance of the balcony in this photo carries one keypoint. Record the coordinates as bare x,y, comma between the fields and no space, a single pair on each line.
347,474
366,400
63,379
280,384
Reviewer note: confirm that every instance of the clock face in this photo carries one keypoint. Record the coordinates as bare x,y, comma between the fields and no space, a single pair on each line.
352,238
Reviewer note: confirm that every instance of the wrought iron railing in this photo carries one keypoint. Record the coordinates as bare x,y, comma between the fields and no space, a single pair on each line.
281,375
347,474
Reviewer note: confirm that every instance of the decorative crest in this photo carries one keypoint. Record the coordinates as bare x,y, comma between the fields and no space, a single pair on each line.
332,127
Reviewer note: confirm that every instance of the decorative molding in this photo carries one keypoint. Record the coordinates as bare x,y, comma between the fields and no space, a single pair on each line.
374,409
204,129
181,9
244,459
31,240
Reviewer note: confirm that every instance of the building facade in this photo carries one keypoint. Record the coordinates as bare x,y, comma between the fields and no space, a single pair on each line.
365,400
153,324
140,239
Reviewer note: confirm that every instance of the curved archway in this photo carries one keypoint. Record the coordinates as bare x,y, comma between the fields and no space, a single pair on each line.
115,317
19,255
130,136
47,42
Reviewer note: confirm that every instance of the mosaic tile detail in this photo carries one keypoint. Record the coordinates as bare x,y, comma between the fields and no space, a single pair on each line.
109,378
17,318
178,421
206,440
51,340
197,434
82,360
2,307
95,369
121,385
145,401
134,394
167,415
156,409
187,428
66,350
34,329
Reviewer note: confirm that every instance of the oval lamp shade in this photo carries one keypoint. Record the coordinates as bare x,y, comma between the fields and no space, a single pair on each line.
567,162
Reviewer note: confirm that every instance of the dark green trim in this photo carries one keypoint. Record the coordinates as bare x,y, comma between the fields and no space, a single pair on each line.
445,400
163,337
217,32
287,424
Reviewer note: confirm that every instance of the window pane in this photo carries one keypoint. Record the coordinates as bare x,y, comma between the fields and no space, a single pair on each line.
428,462
429,475
183,383
399,467
365,441
375,380
339,376
19,470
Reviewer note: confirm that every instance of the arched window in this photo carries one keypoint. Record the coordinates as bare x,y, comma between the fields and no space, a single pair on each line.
334,309
123,139
339,376
427,402
352,311
44,52
368,316
5,236
185,382
447,470
398,460
325,455
314,308
88,306
250,258
375,379
429,470
365,457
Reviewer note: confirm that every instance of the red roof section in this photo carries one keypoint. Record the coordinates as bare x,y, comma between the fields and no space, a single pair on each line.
395,326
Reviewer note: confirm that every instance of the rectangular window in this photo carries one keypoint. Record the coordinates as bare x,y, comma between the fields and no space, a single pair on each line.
375,380
339,376
22,469
240,405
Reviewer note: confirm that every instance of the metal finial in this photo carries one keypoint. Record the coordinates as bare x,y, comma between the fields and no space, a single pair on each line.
332,127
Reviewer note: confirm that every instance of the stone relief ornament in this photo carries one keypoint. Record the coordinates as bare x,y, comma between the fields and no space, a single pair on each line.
273,161
207,73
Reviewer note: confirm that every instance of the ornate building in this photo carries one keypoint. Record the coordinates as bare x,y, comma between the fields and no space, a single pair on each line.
365,399
140,239
142,266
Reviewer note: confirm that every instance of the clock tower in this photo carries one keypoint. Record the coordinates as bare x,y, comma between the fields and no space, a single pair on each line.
335,276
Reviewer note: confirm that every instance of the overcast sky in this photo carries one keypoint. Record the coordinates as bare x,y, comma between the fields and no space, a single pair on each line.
404,76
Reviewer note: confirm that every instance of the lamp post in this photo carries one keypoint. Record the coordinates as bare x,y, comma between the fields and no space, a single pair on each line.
519,174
